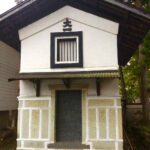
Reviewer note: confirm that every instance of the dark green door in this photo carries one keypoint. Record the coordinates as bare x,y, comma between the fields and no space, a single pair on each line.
68,116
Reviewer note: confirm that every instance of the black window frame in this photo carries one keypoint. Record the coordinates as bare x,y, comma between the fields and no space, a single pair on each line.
80,48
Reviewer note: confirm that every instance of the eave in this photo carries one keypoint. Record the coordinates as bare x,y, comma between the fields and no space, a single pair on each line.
134,23
65,75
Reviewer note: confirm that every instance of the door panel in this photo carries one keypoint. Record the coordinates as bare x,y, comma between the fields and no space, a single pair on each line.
68,116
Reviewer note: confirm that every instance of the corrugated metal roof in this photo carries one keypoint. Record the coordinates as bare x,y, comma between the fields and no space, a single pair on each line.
71,75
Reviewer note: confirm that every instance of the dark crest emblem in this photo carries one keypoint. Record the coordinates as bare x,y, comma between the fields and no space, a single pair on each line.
67,25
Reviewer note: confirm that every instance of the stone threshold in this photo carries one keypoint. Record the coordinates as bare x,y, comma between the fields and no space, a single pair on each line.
68,145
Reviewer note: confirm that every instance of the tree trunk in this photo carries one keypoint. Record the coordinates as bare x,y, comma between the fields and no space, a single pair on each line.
143,78
149,3
124,93
143,84
144,94
146,100
124,97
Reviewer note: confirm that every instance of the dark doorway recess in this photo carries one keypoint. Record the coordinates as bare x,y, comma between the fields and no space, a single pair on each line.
68,120
68,116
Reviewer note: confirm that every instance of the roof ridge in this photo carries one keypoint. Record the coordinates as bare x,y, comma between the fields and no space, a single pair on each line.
118,3
131,8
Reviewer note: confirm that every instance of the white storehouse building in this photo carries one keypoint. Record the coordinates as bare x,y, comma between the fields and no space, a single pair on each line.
70,55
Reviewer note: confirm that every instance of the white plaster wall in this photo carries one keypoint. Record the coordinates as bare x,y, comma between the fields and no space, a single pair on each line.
9,66
108,87
99,41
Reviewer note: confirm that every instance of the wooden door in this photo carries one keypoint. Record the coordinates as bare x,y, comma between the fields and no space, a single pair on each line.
68,116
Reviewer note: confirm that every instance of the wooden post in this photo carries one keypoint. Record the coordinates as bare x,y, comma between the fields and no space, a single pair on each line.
124,104
37,88
124,97
66,83
98,86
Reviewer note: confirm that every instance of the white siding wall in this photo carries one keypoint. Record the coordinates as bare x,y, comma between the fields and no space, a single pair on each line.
9,65
99,41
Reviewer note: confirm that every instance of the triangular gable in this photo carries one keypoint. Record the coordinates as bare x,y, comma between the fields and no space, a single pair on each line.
73,14
133,22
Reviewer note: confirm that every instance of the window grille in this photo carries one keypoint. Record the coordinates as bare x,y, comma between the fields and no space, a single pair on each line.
67,51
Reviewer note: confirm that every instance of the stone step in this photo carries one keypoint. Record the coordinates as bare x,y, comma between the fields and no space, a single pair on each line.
68,145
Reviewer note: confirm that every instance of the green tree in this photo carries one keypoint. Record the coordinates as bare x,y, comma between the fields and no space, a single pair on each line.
132,71
139,3
131,76
136,75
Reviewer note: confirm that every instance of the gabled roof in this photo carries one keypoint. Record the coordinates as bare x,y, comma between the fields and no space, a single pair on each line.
134,23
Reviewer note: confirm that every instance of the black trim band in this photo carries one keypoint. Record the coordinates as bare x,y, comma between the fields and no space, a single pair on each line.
62,34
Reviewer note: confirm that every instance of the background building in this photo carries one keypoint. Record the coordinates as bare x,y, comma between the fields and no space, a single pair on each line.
9,65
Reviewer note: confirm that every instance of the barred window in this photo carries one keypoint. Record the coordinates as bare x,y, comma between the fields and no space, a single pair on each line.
66,49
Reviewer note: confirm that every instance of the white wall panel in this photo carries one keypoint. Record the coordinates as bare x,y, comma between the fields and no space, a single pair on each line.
108,87
99,49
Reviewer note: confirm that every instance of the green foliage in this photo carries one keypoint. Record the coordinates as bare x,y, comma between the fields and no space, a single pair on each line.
146,61
132,70
144,3
131,76
146,50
